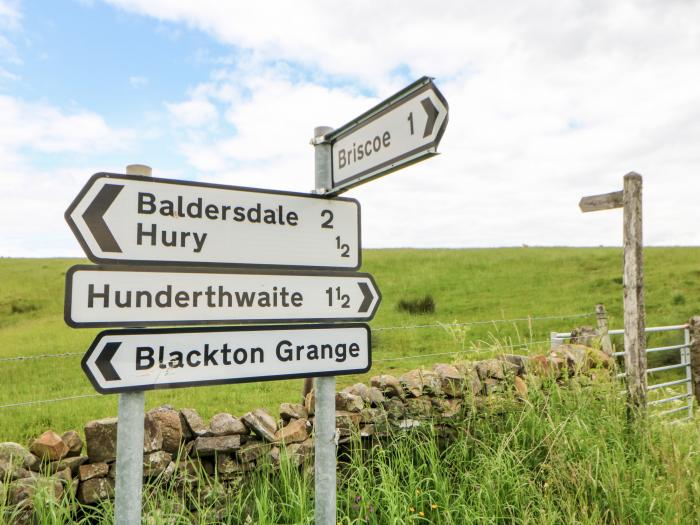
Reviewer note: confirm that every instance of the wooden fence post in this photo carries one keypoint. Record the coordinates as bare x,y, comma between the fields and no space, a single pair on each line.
602,317
635,339
694,327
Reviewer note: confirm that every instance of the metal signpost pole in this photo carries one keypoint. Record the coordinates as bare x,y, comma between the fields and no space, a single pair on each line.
129,482
324,426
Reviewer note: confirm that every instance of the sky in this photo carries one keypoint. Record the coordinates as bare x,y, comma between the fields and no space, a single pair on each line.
549,101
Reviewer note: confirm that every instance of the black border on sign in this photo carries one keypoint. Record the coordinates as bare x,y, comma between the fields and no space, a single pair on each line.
67,304
131,331
388,166
104,260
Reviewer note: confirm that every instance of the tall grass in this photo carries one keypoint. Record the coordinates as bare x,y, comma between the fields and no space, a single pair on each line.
564,456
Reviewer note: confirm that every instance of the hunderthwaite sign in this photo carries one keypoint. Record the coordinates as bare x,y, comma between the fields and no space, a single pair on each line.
403,129
127,218
144,296
147,359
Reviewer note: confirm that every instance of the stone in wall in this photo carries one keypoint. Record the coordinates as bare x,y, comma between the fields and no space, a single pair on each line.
289,411
388,385
101,439
95,490
168,419
295,432
346,401
16,461
226,425
261,423
418,382
210,445
193,422
49,447
93,470
252,450
450,381
74,443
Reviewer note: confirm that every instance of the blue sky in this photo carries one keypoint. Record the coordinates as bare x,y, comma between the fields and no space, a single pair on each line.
548,102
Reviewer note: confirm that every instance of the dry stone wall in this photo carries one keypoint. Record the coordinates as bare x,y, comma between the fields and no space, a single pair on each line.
182,444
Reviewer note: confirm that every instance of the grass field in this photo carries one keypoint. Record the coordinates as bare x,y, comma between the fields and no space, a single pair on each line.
466,285
567,456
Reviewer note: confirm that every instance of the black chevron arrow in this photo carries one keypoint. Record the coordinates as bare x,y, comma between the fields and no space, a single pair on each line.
104,362
367,297
432,112
94,217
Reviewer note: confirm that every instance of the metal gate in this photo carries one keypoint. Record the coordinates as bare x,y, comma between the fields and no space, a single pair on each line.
673,391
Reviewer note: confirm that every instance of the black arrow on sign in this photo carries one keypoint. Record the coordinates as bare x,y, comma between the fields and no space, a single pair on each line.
104,361
367,297
94,217
432,112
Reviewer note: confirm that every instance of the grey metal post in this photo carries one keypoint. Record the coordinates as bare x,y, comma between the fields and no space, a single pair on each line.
324,422
554,340
635,339
129,483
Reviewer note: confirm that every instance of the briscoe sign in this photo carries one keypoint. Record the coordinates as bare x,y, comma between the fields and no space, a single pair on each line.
138,296
123,360
122,218
405,128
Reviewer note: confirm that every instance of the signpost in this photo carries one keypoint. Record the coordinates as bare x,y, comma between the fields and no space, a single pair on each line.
132,219
404,129
138,296
147,359
175,247
630,199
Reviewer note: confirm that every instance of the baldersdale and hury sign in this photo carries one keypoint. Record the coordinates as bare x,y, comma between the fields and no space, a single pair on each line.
128,218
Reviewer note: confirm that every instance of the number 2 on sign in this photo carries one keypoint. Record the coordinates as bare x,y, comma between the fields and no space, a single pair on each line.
328,215
344,248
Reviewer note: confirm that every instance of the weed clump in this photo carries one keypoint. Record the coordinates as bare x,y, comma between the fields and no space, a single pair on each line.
678,299
21,306
424,305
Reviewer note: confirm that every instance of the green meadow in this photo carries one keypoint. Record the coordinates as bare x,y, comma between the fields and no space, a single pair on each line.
510,287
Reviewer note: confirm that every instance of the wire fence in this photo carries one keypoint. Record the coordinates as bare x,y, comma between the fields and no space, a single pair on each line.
529,319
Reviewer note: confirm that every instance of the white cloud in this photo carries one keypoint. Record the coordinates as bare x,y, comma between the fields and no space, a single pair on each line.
548,102
138,81
44,128
541,113
34,199
10,15
193,113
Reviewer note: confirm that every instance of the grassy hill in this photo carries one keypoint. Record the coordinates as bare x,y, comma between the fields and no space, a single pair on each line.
466,285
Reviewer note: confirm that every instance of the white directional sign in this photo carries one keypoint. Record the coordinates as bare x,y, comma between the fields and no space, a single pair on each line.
124,360
144,296
404,129
126,218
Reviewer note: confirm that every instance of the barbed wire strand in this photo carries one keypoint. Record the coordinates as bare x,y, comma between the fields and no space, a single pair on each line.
378,329
464,351
491,321
40,356
46,401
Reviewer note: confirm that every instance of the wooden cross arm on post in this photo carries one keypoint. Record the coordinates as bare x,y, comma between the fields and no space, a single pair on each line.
606,201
